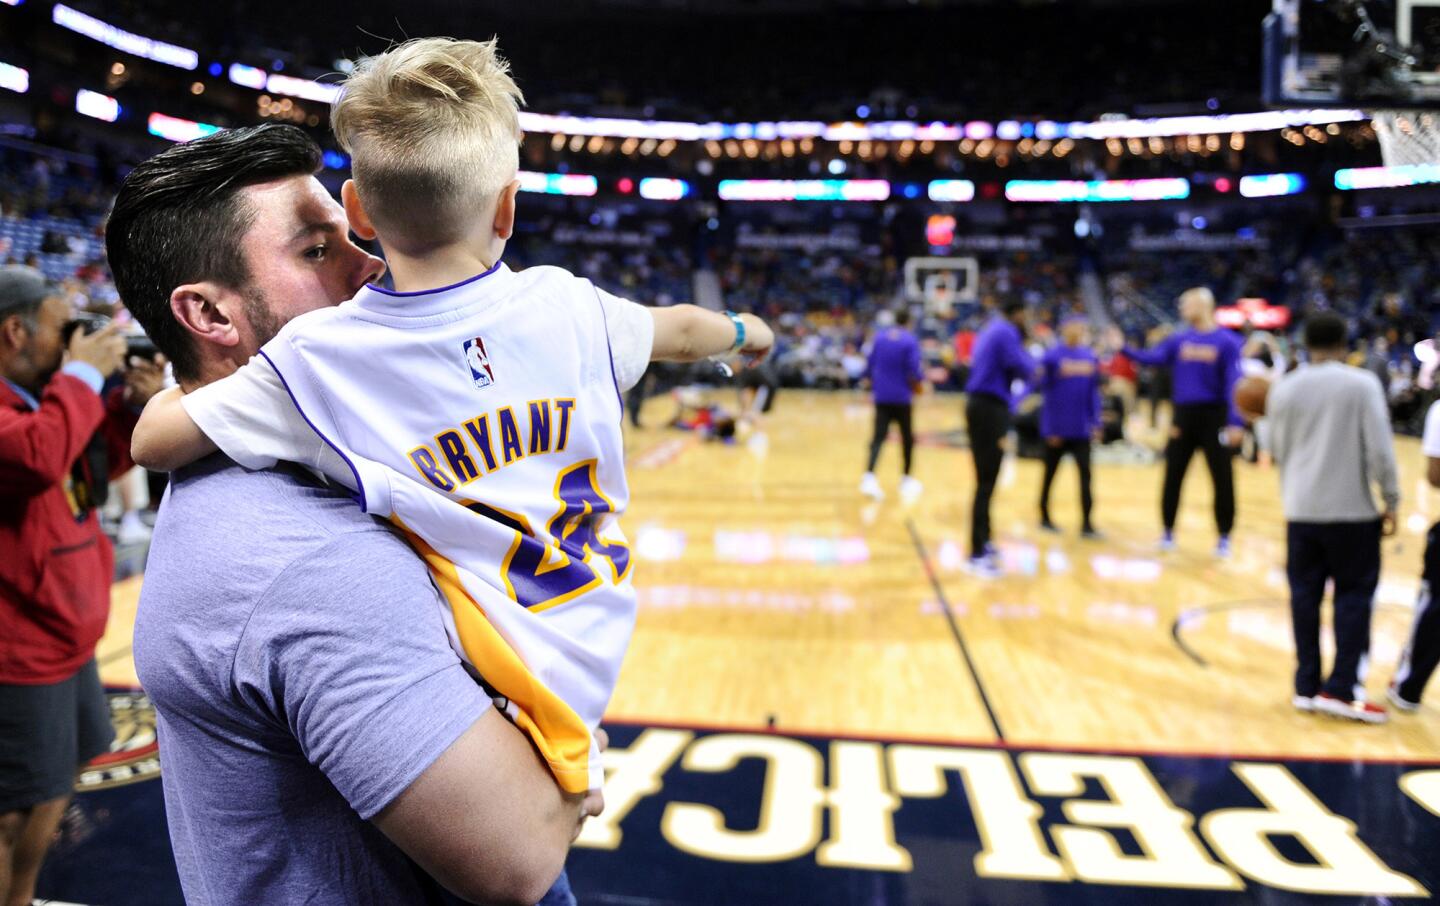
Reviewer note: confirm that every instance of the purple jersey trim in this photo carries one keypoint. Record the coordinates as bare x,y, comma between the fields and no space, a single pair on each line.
609,350
360,486
442,289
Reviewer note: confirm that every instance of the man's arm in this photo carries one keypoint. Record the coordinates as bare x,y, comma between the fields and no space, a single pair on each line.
1379,447
37,448
349,649
143,380
1020,365
1432,471
1162,354
1229,375
486,819
689,333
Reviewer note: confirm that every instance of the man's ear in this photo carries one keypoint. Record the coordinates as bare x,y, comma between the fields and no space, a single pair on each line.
505,210
208,311
13,333
360,223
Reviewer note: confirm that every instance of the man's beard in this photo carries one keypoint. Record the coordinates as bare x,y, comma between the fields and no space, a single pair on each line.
263,321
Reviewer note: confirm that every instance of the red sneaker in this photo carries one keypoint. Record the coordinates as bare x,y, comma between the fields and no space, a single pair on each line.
1366,712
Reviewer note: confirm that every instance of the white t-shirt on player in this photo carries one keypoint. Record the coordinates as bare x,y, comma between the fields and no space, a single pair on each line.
1430,442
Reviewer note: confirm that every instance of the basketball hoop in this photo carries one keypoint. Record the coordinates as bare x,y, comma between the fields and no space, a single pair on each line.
940,294
1408,137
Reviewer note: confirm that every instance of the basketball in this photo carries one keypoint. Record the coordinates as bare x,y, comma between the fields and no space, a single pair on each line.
1250,395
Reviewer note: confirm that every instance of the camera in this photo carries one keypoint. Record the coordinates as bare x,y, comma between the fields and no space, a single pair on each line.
136,345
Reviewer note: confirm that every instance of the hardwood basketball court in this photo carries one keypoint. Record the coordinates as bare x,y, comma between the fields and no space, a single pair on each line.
780,611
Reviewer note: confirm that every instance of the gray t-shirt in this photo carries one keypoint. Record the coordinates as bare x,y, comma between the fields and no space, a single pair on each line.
1329,431
295,652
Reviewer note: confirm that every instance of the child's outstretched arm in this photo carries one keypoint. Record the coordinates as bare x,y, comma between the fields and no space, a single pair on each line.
249,416
689,333
166,437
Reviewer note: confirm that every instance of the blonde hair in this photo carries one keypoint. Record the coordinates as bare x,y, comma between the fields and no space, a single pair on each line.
433,131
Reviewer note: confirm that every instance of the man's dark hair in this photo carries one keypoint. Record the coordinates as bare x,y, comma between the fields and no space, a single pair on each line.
1012,307
1326,330
902,316
178,219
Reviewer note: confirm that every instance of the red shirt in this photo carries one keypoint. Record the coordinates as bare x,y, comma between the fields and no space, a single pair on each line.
55,568
1119,365
965,346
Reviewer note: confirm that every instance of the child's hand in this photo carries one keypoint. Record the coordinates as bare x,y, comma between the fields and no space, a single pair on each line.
593,804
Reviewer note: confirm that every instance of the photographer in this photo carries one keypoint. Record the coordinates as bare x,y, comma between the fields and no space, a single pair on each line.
60,444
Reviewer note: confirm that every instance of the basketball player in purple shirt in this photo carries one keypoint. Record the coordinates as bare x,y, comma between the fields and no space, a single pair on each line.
1069,415
893,369
1205,363
1000,361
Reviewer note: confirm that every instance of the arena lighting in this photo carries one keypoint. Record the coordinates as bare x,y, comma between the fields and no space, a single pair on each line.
118,38
976,130
247,76
951,190
1271,185
1099,190
12,2
97,105
1386,177
302,88
1164,127
178,130
804,190
14,78
657,189
558,183
940,230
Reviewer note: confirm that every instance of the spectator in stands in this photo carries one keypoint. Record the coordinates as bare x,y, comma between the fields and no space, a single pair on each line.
60,443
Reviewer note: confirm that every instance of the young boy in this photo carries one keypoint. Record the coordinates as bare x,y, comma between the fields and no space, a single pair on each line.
476,408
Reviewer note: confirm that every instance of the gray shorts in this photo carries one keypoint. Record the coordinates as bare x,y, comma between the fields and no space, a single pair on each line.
46,734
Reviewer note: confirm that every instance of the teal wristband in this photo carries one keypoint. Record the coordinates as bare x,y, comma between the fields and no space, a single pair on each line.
739,332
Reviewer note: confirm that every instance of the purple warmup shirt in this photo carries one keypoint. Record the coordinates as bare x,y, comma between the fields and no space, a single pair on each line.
296,655
999,360
1204,366
894,366
1070,381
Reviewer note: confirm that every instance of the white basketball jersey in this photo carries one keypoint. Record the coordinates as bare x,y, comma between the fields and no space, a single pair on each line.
483,419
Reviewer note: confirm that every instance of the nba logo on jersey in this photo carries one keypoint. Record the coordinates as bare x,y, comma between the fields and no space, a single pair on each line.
478,361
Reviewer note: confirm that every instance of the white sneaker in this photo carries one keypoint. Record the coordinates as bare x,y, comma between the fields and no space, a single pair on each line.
1303,703
132,529
910,489
1401,703
983,568
870,486
1355,709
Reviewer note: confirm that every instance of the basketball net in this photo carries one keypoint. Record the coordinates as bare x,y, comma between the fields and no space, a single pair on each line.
1407,137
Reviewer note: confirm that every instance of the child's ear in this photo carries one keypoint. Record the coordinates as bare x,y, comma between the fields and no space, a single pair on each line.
505,210
355,212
